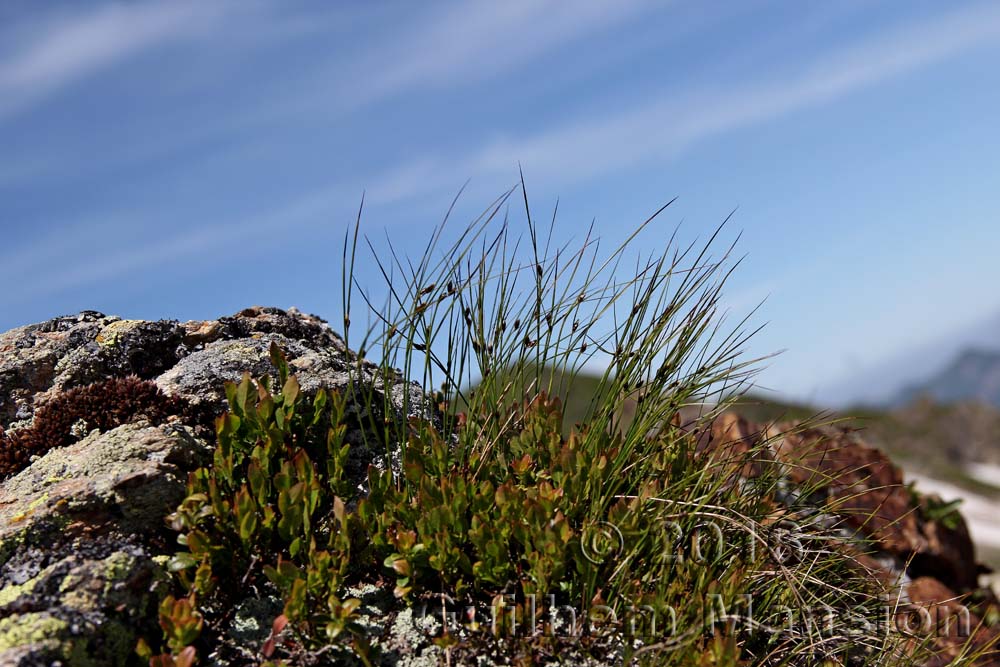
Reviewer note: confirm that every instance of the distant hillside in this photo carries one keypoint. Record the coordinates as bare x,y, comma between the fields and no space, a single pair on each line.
937,438
973,376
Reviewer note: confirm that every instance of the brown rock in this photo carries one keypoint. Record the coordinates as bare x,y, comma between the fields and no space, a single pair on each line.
865,494
933,610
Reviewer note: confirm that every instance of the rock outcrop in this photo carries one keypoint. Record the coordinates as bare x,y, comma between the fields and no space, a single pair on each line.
82,533
928,559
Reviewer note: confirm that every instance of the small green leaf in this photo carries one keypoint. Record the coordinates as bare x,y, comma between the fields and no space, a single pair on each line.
182,560
290,392
242,393
279,361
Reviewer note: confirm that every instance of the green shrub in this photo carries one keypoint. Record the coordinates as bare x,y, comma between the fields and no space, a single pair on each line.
269,507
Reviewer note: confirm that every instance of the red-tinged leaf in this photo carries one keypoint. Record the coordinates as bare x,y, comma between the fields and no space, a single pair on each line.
187,657
279,624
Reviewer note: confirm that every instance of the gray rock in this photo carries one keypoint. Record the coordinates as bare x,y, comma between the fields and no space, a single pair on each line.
77,567
199,377
30,358
82,528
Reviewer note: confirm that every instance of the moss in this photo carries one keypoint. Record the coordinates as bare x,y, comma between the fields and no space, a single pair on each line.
117,643
102,406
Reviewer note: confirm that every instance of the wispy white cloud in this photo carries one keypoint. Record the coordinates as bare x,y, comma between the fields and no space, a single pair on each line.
459,44
451,45
475,41
661,129
61,50
446,46
571,153
93,250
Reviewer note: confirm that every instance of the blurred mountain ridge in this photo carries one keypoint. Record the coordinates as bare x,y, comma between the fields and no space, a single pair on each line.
944,366
973,375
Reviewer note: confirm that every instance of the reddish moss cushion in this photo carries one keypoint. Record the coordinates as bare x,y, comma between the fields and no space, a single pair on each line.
102,405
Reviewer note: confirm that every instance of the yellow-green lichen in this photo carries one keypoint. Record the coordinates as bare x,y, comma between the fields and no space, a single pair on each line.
117,567
112,334
69,583
78,591
31,629
241,352
52,637
30,509
39,501
12,592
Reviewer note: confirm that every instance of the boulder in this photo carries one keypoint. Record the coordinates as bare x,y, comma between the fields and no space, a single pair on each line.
79,539
928,562
83,536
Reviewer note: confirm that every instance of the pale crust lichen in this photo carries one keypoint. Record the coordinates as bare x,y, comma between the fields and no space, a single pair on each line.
12,592
33,629
111,334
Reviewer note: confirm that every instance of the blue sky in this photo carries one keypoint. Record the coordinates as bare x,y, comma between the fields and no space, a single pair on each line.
187,159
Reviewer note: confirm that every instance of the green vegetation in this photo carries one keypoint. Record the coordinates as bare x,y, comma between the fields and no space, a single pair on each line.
666,556
269,508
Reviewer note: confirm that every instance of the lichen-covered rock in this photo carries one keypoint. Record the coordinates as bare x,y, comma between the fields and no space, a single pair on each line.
82,528
40,360
30,355
69,416
79,531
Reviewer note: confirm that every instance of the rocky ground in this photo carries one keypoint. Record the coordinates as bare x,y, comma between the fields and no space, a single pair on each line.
926,555
82,532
